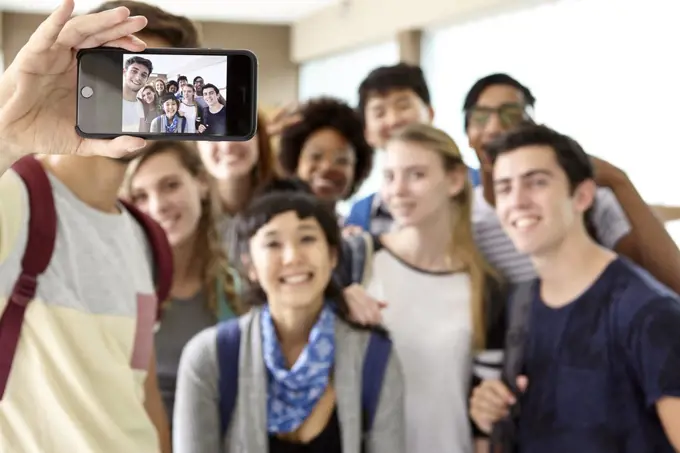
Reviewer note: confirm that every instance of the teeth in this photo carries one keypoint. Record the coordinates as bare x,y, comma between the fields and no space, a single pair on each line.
526,222
293,279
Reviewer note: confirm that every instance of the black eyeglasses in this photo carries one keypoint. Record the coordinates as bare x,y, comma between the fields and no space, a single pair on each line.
510,115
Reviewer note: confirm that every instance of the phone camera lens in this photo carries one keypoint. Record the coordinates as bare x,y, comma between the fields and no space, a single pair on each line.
87,92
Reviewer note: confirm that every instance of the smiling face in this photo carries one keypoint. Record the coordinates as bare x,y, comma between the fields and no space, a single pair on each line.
136,76
385,113
291,260
229,160
534,202
327,163
165,190
160,86
170,107
148,96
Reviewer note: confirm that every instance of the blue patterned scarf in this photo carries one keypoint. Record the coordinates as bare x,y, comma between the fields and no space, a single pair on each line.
293,393
171,126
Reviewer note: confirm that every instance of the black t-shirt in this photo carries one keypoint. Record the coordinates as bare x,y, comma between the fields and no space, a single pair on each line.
597,366
328,441
215,123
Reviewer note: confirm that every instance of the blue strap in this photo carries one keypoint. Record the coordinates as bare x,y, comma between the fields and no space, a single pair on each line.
375,364
228,348
475,176
361,213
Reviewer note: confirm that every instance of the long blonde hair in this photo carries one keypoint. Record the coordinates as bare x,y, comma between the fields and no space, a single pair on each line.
209,252
462,244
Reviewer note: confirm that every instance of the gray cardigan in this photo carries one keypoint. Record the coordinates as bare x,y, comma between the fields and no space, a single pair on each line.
196,426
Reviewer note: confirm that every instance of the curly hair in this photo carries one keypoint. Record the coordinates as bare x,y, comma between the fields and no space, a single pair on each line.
326,112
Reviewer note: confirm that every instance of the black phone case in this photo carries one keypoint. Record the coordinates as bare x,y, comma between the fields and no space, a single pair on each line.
173,51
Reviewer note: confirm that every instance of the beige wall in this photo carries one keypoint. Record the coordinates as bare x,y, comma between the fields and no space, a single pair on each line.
271,44
358,23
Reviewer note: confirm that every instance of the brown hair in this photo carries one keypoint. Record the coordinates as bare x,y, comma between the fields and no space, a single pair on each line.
209,252
462,244
265,170
178,31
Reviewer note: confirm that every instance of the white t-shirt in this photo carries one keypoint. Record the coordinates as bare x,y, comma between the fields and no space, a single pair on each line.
133,113
429,320
77,379
189,112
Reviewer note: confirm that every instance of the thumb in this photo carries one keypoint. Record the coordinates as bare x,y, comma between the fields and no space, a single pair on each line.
116,148
522,383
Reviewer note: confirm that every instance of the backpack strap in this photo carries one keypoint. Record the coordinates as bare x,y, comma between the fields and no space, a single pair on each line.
361,253
161,251
42,234
375,364
228,352
503,434
361,213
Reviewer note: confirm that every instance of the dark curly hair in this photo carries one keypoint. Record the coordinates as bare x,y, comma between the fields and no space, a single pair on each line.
319,113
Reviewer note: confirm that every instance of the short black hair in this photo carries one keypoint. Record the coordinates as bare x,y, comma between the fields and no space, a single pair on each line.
198,77
182,77
482,84
570,156
289,184
139,60
319,113
178,31
171,82
382,80
169,97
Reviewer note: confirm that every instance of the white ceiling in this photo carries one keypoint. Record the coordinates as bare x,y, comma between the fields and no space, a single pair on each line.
254,11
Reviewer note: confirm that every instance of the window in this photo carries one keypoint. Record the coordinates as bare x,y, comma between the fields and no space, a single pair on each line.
340,75
601,71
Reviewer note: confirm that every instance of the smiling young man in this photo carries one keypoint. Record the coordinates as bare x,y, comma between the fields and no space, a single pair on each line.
622,221
83,376
136,72
602,359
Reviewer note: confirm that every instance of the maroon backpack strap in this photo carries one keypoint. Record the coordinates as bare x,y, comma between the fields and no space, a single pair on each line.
162,252
42,233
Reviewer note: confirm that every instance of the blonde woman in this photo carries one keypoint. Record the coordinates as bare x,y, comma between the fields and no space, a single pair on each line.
169,183
437,287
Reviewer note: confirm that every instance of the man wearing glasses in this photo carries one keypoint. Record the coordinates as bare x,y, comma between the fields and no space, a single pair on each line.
498,103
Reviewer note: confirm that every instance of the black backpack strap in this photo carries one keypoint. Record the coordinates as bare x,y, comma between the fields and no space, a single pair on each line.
361,253
228,353
503,436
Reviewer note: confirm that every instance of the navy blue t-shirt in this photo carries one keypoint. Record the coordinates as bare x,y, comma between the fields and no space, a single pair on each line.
598,365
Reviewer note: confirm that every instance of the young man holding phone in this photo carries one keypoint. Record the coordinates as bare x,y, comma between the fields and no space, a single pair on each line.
602,356
83,377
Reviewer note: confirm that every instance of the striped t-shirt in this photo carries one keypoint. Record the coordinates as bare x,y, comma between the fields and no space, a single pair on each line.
608,218
77,379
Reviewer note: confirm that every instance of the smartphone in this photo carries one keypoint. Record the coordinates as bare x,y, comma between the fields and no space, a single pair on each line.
162,94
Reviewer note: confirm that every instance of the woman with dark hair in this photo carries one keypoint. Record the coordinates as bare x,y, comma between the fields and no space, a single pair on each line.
171,122
299,373
327,149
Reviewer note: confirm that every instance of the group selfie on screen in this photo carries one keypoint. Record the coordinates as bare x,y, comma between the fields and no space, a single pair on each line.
155,105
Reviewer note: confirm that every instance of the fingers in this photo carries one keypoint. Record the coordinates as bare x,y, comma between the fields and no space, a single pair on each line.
123,147
129,43
79,29
490,403
47,33
123,30
363,308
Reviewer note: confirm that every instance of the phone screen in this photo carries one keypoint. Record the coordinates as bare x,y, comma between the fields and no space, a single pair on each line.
197,94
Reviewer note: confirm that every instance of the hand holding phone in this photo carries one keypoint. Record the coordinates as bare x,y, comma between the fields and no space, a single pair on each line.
38,90
213,98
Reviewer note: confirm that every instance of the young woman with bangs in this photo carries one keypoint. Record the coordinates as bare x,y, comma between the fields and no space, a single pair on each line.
441,296
298,378
169,183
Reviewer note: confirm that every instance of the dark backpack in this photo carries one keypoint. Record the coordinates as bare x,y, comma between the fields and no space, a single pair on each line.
42,234
504,433
228,348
